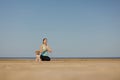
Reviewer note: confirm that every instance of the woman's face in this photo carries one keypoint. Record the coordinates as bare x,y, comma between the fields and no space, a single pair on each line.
45,41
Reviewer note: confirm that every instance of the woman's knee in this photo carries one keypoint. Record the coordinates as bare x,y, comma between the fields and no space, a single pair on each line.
45,58
48,59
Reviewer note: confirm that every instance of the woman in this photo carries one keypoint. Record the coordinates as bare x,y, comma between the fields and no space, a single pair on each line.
44,49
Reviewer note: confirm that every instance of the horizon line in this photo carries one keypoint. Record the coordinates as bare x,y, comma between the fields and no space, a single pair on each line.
62,57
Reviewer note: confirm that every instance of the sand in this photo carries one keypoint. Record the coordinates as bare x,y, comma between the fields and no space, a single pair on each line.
62,69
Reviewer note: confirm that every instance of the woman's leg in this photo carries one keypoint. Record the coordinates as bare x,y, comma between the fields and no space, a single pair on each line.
45,58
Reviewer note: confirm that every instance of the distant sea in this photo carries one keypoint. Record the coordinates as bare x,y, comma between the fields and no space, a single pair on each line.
62,57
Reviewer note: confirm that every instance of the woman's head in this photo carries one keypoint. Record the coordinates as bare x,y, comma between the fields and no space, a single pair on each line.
45,41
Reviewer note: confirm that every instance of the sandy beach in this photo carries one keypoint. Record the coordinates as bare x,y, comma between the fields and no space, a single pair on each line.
60,69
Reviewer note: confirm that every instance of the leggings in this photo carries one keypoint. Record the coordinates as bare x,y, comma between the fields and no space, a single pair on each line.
44,58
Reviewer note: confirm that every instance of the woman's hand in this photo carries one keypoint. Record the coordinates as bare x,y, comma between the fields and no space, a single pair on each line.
49,49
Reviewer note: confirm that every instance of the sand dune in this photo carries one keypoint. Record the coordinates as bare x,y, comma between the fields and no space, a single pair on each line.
62,69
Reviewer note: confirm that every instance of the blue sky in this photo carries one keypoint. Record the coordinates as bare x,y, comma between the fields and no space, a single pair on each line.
74,28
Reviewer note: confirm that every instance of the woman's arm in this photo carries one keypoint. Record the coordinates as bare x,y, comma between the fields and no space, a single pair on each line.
49,49
41,49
